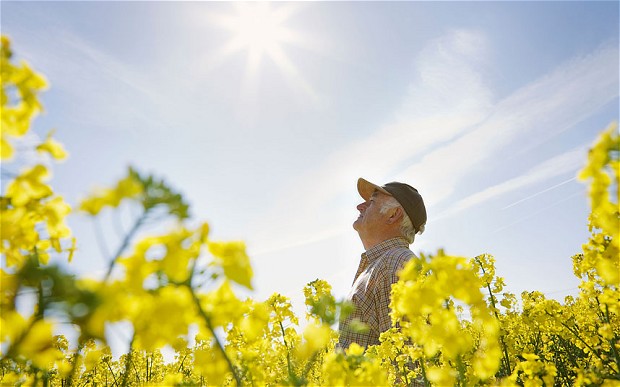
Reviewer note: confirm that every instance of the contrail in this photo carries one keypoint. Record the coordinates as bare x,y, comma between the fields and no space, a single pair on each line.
539,193
539,211
300,242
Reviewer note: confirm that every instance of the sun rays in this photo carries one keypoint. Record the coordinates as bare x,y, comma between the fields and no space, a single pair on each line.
260,31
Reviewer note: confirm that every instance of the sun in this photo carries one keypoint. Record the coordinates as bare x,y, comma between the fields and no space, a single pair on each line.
259,29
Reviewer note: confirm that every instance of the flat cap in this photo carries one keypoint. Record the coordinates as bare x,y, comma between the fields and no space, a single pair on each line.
407,196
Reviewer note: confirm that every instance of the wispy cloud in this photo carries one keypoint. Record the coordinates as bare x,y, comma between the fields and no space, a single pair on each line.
447,126
527,118
540,192
112,93
447,98
559,165
540,210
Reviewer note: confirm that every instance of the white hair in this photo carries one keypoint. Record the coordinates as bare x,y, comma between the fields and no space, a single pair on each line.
406,227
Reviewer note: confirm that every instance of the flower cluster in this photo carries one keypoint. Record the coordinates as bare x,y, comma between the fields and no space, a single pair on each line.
453,324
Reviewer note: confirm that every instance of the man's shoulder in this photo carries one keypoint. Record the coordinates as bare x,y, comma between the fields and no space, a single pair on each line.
396,257
391,263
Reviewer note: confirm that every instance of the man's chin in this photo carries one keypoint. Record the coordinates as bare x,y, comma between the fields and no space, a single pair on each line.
356,225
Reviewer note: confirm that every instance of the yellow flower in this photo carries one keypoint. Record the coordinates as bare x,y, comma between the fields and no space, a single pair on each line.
64,367
94,203
6,149
234,261
210,363
42,246
38,345
72,249
29,186
609,269
53,147
126,188
441,376
256,322
172,379
12,324
55,212
15,116
137,269
175,263
355,349
92,358
222,305
317,337
161,317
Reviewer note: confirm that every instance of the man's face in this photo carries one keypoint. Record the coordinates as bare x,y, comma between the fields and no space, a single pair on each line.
370,219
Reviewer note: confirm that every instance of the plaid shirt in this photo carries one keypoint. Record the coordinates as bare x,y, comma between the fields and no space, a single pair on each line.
370,293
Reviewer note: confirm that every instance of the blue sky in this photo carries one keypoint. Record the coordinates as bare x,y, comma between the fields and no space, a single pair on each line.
487,108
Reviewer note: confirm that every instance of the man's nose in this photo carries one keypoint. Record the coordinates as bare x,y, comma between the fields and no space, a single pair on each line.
361,206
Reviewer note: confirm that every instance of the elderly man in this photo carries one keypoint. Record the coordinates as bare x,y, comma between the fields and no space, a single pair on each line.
389,219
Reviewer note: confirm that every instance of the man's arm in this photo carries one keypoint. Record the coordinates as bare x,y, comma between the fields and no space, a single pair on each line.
382,299
387,277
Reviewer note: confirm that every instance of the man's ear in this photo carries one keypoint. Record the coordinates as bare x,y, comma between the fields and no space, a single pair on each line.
396,216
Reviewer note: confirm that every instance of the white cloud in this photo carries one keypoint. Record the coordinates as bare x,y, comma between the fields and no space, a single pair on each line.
525,119
447,97
556,166
112,93
446,126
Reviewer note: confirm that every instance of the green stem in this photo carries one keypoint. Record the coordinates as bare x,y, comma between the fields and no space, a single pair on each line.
11,353
146,370
36,376
125,243
76,357
506,358
112,372
461,368
100,239
128,361
612,342
586,344
181,365
207,320
133,364
395,365
291,374
46,379
426,381
149,368
40,308
304,377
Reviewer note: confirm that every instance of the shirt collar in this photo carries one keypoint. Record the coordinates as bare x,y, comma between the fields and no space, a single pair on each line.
378,250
